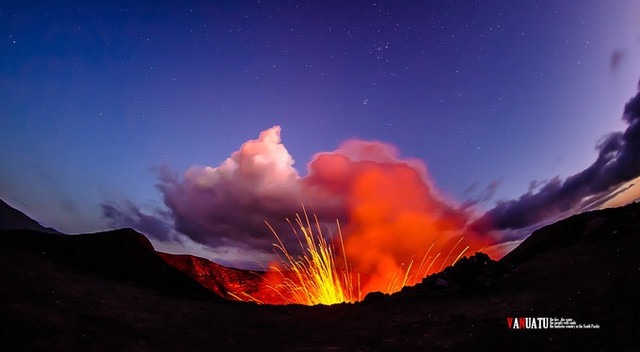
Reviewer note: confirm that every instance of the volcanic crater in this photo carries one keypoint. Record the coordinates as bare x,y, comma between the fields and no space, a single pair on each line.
113,291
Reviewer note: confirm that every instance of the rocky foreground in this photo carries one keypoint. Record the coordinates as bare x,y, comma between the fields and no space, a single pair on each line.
112,291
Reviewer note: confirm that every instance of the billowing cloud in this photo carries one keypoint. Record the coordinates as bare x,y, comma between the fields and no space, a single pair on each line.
332,175
618,162
386,204
394,214
228,204
395,217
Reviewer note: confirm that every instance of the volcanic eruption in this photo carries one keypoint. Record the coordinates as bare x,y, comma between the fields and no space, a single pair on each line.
396,226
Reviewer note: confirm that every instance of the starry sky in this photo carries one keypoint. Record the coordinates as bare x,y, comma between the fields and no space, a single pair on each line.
95,99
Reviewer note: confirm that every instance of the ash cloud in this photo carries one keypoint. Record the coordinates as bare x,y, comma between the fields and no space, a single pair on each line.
618,161
227,205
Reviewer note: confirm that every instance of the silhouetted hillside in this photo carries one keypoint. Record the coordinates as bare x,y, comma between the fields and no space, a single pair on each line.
13,219
121,255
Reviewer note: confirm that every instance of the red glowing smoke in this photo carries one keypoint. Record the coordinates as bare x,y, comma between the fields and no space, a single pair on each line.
390,210
394,213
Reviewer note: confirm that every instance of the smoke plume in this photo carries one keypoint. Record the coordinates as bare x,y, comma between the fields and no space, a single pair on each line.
388,206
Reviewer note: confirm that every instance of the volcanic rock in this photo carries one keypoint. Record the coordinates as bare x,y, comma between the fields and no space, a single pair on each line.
121,255
224,281
111,291
467,273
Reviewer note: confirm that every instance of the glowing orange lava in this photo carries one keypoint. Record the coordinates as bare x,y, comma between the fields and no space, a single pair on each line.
315,276
399,230
322,274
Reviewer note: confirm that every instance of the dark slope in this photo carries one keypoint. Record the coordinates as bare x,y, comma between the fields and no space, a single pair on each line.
609,227
121,255
13,219
585,268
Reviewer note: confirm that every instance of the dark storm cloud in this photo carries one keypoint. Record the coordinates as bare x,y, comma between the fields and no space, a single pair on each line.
130,215
618,161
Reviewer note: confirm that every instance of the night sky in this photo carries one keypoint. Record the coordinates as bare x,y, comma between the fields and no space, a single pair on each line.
97,102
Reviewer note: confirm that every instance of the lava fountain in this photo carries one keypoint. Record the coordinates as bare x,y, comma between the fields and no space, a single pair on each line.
323,274
398,230
398,227
316,276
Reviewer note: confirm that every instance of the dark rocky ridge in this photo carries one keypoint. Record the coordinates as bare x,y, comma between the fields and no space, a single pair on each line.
72,297
121,255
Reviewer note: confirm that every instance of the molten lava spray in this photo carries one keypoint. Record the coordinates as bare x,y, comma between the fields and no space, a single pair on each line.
315,276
